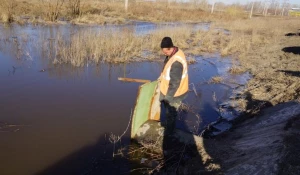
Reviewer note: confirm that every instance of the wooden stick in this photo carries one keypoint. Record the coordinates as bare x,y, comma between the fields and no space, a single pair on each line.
133,80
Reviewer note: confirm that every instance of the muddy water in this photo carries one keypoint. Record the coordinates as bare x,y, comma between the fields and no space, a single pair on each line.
57,119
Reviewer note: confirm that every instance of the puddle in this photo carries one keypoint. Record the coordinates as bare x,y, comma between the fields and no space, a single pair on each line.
67,118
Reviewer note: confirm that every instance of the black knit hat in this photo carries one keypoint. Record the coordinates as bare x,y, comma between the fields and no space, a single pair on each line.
166,42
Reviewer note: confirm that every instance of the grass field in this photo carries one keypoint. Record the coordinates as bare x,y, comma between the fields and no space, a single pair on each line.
107,12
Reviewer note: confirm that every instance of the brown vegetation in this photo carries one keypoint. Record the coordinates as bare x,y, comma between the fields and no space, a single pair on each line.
258,45
111,46
216,79
261,53
8,10
107,12
236,70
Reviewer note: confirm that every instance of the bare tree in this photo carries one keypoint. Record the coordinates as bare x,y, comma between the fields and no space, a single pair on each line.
266,7
53,8
276,5
284,6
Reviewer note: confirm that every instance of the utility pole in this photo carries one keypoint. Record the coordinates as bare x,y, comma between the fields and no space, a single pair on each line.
251,12
126,5
213,6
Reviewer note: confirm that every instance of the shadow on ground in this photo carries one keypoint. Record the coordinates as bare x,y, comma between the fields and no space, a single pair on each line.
290,163
182,152
291,73
292,34
294,50
253,108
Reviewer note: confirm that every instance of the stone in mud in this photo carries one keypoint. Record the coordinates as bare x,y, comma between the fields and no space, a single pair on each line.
216,128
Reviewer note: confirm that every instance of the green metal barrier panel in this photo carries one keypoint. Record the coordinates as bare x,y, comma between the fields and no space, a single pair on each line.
143,105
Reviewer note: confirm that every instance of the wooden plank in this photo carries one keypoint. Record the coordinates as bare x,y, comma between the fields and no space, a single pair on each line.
134,80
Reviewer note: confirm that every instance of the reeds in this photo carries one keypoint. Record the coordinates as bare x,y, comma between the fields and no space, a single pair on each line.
216,79
7,8
236,70
112,45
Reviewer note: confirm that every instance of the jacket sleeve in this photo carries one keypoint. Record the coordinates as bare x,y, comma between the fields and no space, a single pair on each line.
175,79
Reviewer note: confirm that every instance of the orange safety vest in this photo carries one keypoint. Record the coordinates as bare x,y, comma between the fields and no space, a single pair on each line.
165,75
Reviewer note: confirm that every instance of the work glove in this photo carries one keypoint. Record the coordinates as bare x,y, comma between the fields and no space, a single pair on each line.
168,98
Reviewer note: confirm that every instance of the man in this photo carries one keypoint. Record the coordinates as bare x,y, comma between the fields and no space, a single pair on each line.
173,82
174,77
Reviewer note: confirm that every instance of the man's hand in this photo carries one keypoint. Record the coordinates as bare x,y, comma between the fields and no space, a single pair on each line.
159,78
168,98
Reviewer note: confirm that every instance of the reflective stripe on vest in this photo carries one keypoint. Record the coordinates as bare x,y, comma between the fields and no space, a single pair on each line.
165,76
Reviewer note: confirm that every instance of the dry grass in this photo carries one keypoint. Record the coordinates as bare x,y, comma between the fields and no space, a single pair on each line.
110,45
216,79
53,10
106,46
191,61
258,44
98,19
244,35
7,8
236,70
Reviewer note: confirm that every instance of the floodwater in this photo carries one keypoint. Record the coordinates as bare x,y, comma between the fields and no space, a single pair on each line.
58,119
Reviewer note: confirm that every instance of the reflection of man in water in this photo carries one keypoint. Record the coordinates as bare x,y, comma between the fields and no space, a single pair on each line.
173,81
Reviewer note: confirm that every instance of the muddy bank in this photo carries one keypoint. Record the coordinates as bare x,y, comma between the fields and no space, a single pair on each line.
265,144
262,144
